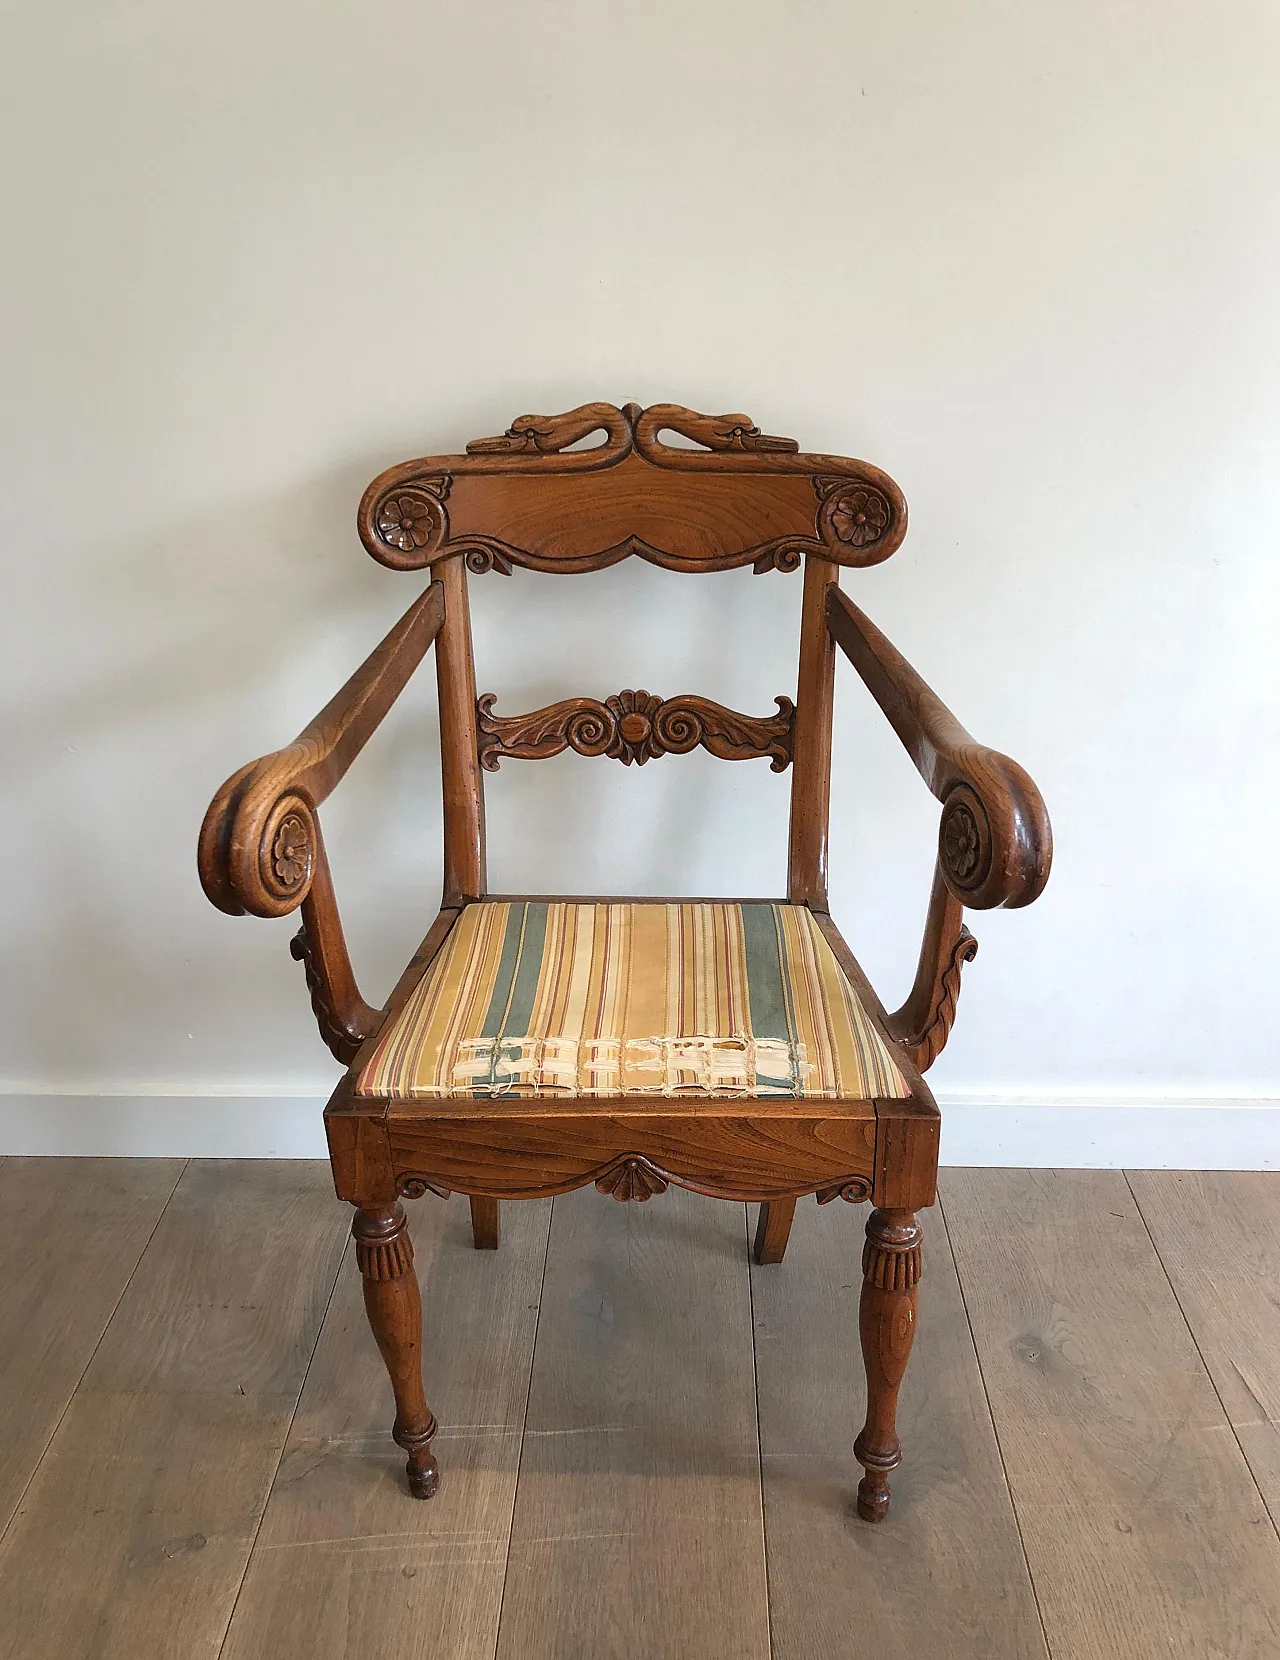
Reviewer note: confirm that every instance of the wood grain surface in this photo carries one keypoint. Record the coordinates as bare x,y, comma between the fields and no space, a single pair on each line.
472,1148
638,1520
944,1574
1218,1235
134,1535
71,1233
346,1563
1144,1531
633,1524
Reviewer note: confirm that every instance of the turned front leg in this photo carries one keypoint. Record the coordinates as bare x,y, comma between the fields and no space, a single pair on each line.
887,1321
384,1254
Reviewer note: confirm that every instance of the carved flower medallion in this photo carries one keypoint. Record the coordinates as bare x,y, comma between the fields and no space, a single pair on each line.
859,516
961,844
408,521
291,853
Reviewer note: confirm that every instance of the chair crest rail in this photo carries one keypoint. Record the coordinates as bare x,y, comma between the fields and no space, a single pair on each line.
731,496
634,727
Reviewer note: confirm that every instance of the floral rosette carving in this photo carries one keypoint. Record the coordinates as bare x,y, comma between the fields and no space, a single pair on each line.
853,518
960,843
286,856
291,853
964,840
411,523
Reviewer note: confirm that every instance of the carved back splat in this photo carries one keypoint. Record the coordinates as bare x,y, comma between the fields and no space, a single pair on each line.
634,727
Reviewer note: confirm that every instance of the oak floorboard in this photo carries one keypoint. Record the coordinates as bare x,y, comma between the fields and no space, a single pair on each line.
346,1562
1143,1528
638,1528
132,1539
71,1233
1218,1235
944,1574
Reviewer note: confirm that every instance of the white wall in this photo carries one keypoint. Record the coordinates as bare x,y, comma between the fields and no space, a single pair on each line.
1022,256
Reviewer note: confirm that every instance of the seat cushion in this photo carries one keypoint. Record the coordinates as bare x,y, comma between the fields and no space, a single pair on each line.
537,998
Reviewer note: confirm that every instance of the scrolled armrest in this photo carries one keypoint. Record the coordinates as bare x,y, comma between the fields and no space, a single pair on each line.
260,847
995,844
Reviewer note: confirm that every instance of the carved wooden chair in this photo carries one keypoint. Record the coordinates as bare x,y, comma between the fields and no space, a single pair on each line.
537,1044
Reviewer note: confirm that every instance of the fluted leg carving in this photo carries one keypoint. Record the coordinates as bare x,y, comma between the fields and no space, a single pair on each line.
887,1321
384,1255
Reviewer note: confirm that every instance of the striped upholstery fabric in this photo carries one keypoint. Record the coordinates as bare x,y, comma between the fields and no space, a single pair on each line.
530,999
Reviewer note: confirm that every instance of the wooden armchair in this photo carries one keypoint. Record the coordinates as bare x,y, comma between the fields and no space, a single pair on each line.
536,1044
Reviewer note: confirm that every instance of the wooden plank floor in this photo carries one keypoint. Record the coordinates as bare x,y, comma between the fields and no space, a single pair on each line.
646,1444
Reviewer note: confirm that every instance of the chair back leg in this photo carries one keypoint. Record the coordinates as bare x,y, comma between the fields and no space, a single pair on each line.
486,1226
774,1229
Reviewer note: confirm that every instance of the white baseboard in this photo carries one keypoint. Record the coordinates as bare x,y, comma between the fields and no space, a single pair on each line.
1115,1133
165,1126
1093,1132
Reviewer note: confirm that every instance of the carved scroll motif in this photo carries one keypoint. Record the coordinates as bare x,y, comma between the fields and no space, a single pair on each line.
417,1187
859,519
630,1175
854,1189
635,727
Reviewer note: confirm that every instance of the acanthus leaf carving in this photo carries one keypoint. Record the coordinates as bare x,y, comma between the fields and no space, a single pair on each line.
634,727
343,1041
925,1048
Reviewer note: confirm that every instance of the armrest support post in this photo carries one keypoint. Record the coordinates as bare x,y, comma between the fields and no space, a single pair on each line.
923,1023
344,1018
